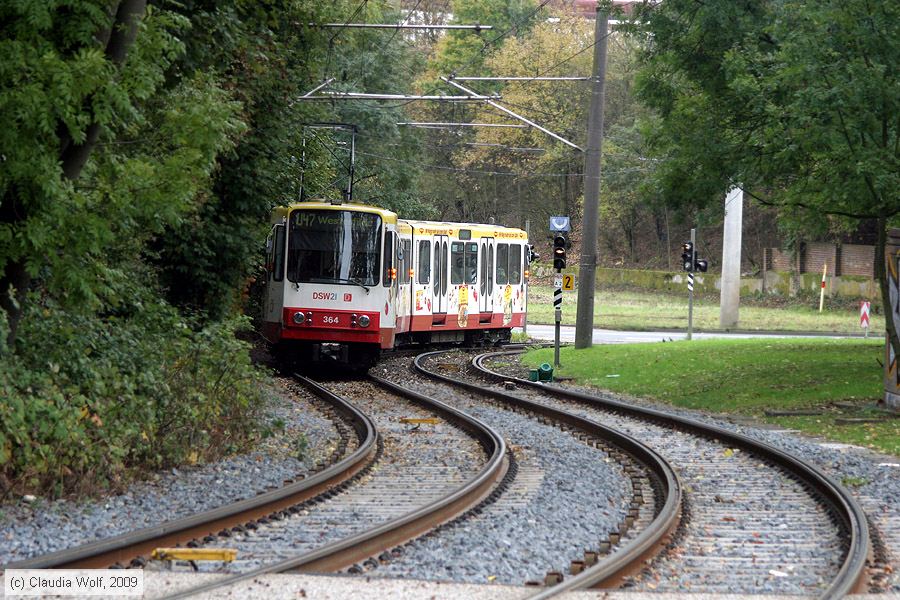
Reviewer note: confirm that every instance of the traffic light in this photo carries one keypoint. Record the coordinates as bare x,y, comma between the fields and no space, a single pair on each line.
689,260
687,256
559,252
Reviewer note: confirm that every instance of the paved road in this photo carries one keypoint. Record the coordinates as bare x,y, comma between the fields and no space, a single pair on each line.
609,336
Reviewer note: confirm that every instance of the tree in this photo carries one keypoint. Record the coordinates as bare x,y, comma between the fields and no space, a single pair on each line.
460,194
66,78
558,48
269,61
261,54
794,101
465,51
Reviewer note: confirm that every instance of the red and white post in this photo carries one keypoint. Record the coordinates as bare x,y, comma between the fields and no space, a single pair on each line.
822,292
864,307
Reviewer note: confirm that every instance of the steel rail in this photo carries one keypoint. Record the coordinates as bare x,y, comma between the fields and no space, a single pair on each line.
124,547
347,551
629,557
851,578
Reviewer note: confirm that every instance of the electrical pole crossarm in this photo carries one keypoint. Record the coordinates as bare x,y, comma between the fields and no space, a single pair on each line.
473,93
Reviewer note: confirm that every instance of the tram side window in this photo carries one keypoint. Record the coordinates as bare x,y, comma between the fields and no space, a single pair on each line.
278,258
424,266
388,258
444,267
457,264
502,264
405,260
515,264
471,253
490,272
483,272
438,272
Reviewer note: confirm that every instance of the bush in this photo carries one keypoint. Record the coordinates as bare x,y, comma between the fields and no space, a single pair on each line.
87,400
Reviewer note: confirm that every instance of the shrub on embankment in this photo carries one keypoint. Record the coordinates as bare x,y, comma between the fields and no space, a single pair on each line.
88,401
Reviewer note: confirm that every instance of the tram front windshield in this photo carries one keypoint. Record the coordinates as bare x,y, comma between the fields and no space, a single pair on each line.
334,246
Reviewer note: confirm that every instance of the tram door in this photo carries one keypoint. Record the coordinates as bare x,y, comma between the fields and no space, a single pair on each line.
486,275
274,299
440,274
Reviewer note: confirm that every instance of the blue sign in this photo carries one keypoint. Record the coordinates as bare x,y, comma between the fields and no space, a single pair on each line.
559,224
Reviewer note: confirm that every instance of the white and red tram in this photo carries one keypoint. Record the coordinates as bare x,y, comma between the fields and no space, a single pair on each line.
349,280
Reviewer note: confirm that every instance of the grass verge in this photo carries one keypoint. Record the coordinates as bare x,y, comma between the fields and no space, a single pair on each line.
838,379
636,310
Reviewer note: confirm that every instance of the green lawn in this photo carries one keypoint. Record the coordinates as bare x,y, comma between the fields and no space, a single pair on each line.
748,377
646,310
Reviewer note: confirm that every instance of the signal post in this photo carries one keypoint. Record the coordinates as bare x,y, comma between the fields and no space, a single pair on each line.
559,226
690,263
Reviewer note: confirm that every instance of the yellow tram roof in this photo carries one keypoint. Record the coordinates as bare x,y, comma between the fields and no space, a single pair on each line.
281,212
452,229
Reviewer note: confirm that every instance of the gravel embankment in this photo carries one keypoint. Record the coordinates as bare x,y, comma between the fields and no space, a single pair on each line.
29,529
872,477
564,499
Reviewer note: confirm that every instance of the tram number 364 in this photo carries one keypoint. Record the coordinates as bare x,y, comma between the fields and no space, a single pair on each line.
330,320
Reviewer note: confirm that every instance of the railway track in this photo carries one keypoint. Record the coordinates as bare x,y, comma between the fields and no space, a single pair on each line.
323,523
355,452
654,492
733,515
427,455
404,494
756,518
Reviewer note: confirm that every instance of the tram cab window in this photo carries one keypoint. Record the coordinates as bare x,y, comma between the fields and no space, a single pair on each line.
405,261
331,246
502,264
424,264
515,264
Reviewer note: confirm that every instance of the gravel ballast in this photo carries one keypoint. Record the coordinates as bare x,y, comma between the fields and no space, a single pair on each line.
875,477
29,529
565,498
418,465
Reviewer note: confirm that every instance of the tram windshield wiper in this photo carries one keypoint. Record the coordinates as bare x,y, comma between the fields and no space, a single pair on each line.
354,281
350,280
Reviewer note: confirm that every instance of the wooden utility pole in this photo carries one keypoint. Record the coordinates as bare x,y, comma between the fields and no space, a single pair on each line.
587,266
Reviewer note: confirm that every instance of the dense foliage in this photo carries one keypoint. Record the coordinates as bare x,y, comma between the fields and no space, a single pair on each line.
144,142
89,399
143,145
796,102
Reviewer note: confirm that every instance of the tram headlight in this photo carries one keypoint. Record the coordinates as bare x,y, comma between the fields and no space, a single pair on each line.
299,318
363,320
